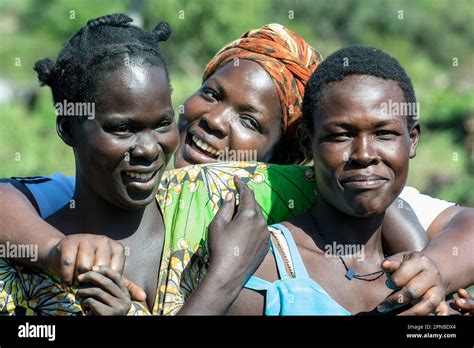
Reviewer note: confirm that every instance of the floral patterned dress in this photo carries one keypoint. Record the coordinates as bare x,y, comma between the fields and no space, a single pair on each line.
189,198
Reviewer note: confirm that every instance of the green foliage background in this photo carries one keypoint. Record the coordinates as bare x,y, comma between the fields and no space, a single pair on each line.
433,40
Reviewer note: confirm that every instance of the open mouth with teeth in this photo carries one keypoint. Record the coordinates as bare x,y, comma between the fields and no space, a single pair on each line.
204,147
131,176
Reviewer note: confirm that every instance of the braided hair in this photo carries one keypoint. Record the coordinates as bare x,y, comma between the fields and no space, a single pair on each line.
104,44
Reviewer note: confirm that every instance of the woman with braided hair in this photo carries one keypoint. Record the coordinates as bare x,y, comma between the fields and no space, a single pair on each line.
121,154
243,103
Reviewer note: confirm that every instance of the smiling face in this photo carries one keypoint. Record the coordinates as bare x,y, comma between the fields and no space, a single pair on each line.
122,153
361,154
236,108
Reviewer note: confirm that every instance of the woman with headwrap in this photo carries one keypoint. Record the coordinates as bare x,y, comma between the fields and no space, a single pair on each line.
250,99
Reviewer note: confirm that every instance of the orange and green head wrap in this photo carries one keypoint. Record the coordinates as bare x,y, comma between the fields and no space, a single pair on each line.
286,57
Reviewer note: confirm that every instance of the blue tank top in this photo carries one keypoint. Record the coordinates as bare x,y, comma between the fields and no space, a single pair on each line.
298,295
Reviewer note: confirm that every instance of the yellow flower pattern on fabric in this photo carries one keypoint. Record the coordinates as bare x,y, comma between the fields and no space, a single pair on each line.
190,198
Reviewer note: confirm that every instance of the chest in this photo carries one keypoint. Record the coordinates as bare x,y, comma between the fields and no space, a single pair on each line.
142,264
354,295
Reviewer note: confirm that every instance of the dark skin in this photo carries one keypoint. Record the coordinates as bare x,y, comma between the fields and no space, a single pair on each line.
361,164
133,131
236,108
61,256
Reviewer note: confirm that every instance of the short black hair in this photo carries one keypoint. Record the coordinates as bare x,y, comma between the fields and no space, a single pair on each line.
101,45
355,60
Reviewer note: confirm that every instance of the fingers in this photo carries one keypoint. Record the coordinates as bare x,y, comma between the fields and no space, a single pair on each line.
67,262
117,262
465,302
106,279
391,263
91,306
428,304
410,292
246,197
103,254
248,207
136,292
96,293
462,293
443,309
226,211
84,260
411,265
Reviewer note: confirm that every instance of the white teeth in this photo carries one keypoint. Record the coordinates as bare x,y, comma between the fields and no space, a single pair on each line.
141,176
205,146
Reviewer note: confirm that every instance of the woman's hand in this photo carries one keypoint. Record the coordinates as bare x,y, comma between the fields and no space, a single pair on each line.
103,292
419,283
78,253
75,254
238,238
465,302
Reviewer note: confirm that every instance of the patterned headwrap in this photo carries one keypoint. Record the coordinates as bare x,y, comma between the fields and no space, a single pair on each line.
286,57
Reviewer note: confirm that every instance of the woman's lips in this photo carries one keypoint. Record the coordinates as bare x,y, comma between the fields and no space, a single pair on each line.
141,180
362,182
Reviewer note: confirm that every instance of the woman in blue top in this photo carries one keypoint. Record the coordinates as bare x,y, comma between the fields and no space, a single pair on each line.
330,260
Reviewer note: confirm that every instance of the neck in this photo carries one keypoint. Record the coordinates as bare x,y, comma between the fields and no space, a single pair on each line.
90,213
336,227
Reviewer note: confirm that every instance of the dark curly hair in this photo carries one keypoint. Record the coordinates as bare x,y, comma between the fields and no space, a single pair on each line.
360,61
101,45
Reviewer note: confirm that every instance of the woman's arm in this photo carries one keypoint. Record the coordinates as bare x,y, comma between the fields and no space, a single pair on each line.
21,223
451,248
57,254
238,243
401,229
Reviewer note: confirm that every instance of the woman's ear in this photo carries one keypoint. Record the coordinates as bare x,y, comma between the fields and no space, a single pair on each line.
414,138
64,129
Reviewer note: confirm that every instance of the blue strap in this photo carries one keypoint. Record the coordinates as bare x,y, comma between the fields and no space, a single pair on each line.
256,283
300,269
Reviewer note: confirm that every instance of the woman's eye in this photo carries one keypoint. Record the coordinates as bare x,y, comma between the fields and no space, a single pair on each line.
386,134
209,93
122,129
339,136
251,123
165,123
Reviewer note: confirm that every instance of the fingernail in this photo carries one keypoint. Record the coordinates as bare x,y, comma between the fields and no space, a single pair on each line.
390,284
95,268
229,196
462,301
463,291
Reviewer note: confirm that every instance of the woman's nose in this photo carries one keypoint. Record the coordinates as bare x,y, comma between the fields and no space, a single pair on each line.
364,152
146,147
216,120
